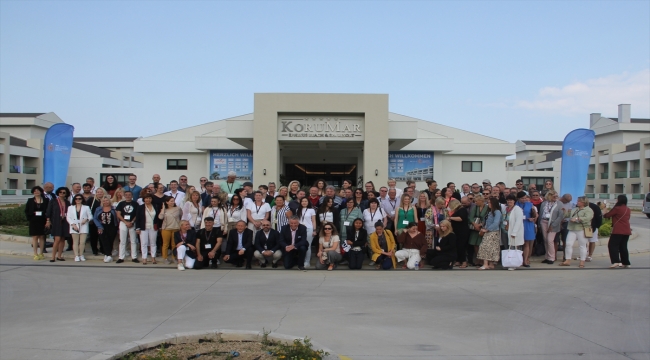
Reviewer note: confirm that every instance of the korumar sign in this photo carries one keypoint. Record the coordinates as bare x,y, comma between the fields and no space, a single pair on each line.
56,155
335,128
576,155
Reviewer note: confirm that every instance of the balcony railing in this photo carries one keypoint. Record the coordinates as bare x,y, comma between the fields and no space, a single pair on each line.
8,192
26,191
604,175
591,196
29,170
635,173
14,169
637,196
591,176
620,175
603,196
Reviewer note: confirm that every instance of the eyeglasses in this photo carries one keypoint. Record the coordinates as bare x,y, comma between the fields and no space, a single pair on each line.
203,180
183,179
327,228
78,199
486,193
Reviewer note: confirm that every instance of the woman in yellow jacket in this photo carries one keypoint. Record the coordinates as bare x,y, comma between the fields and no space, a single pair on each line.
382,243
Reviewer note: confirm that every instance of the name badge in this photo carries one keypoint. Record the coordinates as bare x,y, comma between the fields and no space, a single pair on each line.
547,216
127,217
505,223
38,213
405,222
208,246
392,212
346,223
421,219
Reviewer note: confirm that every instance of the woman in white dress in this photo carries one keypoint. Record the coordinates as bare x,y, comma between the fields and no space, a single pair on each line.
78,217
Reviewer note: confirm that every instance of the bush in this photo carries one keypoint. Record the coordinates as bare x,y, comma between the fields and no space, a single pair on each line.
605,229
300,349
13,216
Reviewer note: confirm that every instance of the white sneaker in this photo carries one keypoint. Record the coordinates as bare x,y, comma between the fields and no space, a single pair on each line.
218,262
110,259
588,259
371,263
105,258
181,267
511,269
82,258
76,258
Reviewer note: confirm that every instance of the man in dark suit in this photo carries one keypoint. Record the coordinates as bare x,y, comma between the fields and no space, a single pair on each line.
240,246
267,245
293,243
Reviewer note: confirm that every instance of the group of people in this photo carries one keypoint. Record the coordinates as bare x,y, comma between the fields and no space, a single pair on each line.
230,221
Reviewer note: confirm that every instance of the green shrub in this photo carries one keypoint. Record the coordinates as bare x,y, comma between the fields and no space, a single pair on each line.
13,216
300,349
605,229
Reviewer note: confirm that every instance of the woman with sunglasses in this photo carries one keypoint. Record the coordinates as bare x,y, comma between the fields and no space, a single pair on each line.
548,186
329,252
358,198
78,217
56,214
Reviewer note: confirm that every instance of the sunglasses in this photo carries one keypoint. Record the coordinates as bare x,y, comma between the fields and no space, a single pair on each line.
328,228
78,199
486,193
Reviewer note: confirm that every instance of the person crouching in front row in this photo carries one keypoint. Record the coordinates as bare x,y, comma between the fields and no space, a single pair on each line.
185,246
209,240
414,247
293,243
443,254
239,246
267,245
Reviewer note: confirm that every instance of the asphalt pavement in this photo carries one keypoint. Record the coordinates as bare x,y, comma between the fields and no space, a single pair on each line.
73,310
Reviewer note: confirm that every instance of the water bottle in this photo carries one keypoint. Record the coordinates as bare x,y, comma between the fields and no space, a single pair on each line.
417,265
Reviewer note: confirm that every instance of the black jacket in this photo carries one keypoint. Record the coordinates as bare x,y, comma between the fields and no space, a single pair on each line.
447,244
336,215
141,217
189,239
597,220
233,240
301,236
362,239
272,243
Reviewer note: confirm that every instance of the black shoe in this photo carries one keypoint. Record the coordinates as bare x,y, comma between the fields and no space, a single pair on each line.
560,248
135,260
60,259
214,266
68,249
544,261
263,264
44,251
239,265
526,266
550,262
119,261
301,268
248,267
275,266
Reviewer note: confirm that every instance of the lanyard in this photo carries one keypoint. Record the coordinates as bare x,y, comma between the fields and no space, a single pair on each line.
62,207
183,237
372,215
392,203
257,208
230,187
215,212
303,215
347,217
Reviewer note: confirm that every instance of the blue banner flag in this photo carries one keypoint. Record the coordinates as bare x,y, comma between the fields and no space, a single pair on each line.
576,154
56,160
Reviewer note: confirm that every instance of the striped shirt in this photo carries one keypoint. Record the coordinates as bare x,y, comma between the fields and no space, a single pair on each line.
279,217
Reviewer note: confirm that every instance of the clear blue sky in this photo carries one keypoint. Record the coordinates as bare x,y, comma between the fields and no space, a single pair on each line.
507,69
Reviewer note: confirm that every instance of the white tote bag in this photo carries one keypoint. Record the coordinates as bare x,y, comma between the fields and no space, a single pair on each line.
512,258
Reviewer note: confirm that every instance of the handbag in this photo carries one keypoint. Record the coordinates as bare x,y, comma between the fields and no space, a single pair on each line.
512,258
589,232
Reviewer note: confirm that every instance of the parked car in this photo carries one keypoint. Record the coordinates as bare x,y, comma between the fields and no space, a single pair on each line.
646,205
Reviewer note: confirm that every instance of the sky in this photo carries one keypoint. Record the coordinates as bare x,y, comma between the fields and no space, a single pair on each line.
531,70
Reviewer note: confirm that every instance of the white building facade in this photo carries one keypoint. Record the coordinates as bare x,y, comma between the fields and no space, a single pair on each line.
306,137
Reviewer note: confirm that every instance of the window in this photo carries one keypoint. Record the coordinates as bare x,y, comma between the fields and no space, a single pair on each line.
121,179
538,181
472,166
176,164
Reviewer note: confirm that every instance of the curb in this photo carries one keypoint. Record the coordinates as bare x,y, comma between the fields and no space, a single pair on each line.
195,336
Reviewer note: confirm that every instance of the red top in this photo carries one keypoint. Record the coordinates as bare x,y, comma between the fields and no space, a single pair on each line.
620,220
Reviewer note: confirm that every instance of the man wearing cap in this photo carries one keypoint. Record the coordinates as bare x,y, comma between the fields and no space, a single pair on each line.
230,184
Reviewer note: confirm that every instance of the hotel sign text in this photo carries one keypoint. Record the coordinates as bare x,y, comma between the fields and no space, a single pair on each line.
319,127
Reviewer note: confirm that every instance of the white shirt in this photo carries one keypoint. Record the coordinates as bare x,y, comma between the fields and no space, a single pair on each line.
258,212
179,196
236,215
306,217
369,219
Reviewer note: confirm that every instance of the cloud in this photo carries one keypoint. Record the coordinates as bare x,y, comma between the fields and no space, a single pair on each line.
596,95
